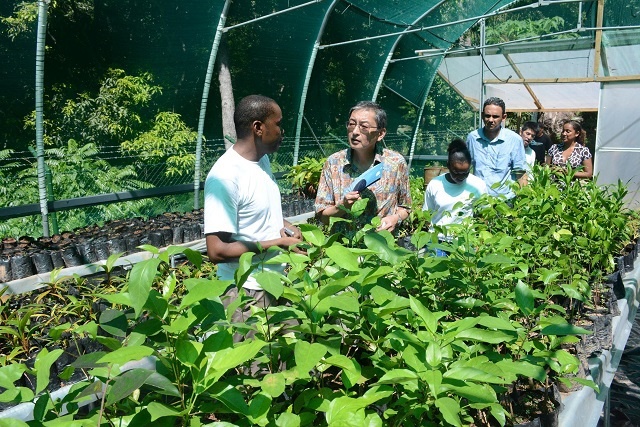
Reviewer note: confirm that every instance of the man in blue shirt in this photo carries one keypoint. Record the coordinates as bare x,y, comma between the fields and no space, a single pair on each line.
497,153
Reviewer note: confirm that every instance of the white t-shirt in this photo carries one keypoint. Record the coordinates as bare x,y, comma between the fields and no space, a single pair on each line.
441,196
241,197
530,157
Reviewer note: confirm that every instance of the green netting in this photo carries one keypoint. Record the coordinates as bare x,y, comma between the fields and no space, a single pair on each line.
346,51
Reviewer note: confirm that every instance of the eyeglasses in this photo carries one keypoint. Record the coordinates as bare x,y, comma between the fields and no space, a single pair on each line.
365,128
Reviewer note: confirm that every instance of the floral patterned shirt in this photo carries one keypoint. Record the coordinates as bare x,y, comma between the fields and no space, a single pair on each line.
578,156
385,195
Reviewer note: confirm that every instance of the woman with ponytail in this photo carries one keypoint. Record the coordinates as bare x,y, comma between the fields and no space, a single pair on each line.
572,151
449,196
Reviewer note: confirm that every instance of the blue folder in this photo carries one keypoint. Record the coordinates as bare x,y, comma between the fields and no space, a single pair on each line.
367,178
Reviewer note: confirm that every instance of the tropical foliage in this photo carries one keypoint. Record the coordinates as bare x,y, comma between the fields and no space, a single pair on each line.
366,332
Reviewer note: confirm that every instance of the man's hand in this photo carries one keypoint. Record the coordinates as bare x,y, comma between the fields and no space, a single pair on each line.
350,198
389,222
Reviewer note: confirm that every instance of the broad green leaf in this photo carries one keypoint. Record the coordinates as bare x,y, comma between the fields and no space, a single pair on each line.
231,397
336,286
496,259
182,322
479,393
42,365
524,368
114,322
12,422
344,302
350,368
122,298
273,384
484,335
188,351
564,329
547,276
495,323
140,281
312,234
200,289
429,319
434,354
244,268
287,419
499,414
162,384
150,248
433,379
126,383
10,374
348,412
308,355
89,360
450,410
220,362
411,358
378,244
472,374
259,408
126,354
271,282
524,298
17,395
343,257
398,376
160,410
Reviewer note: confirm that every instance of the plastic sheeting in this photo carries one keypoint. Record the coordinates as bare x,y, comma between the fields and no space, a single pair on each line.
618,138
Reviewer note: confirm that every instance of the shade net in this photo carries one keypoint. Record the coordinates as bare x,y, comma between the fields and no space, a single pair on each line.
124,81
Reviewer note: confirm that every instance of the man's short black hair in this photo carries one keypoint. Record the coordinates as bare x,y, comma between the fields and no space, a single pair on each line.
381,115
495,101
250,109
534,126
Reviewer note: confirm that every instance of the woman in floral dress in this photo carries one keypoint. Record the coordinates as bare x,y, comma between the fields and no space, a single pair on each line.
571,151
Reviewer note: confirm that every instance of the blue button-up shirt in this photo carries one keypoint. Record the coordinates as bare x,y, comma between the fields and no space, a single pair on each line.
494,161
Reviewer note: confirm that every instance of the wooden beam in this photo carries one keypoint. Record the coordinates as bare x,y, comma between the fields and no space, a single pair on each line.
467,99
550,110
598,41
598,79
526,85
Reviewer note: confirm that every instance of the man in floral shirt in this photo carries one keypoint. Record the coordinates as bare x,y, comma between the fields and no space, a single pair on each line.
389,197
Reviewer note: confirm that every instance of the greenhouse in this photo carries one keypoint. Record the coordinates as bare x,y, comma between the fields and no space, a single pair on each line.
113,114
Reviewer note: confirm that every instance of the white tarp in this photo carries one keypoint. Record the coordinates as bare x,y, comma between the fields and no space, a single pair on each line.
618,138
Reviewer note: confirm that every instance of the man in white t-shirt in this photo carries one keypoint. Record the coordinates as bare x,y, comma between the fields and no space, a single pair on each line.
242,205
528,133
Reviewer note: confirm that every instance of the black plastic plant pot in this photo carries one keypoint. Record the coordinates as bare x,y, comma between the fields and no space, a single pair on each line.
85,249
117,245
42,262
167,235
132,243
71,257
101,248
57,260
156,239
177,235
21,266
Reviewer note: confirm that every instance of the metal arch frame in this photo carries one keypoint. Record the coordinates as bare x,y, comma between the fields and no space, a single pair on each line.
307,80
205,100
383,72
221,29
